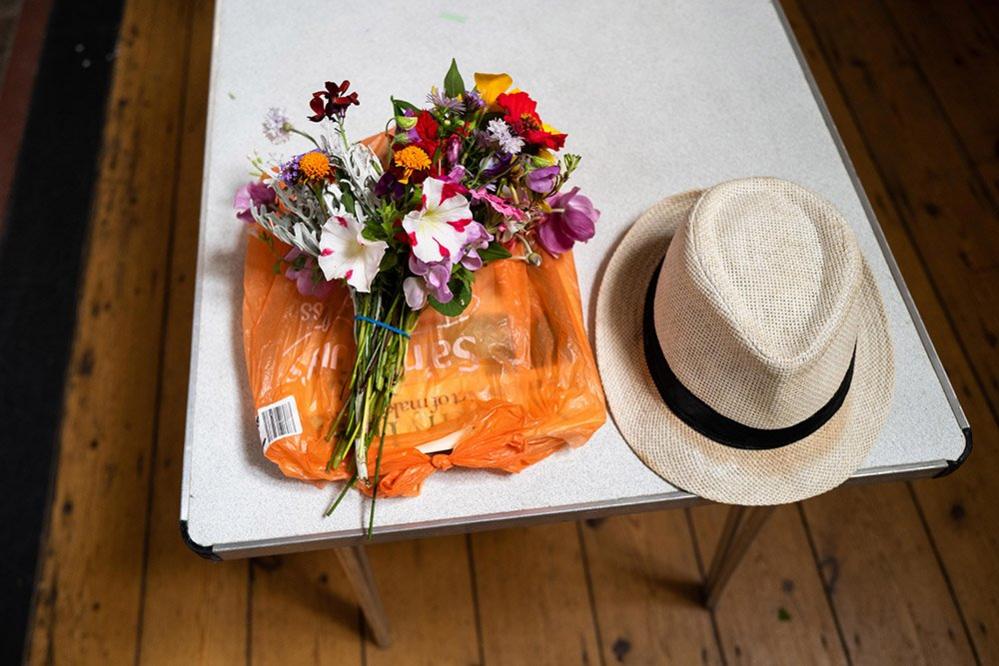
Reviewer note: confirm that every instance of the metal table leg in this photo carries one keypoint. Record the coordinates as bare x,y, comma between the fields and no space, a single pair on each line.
354,561
741,527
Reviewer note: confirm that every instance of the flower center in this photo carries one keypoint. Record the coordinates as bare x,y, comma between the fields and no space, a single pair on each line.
413,158
314,165
528,122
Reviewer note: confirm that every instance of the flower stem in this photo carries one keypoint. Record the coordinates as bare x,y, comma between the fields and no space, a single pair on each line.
378,369
307,136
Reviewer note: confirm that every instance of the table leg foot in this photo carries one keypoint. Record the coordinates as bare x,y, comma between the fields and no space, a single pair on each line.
354,561
742,525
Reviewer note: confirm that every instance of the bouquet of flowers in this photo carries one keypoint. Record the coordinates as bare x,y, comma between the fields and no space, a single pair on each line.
471,178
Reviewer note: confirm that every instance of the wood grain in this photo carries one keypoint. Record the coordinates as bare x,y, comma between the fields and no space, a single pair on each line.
911,618
357,575
194,611
428,593
533,600
303,612
960,64
774,610
90,586
647,590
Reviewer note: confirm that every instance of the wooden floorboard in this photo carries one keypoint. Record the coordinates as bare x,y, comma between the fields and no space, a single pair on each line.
191,612
911,616
91,579
647,590
302,612
959,62
900,573
533,599
429,593
774,610
959,511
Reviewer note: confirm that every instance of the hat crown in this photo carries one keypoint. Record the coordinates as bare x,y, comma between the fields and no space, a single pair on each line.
781,265
755,304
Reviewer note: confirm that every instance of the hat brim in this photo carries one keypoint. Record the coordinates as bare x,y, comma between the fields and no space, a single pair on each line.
687,459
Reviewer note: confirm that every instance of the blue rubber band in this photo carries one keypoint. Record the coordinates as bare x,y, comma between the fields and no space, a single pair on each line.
389,327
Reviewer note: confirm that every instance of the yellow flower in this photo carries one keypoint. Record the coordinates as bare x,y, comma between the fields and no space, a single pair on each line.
491,86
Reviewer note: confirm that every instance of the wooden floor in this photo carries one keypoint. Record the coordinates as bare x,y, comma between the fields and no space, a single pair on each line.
903,573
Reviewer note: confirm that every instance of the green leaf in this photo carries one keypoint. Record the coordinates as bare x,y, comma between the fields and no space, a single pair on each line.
347,201
462,291
494,252
389,260
371,233
453,83
399,106
463,274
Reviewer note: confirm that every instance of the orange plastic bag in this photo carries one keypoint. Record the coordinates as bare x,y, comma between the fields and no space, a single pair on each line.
501,386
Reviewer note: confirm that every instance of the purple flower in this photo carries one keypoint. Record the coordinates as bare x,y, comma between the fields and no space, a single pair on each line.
431,278
290,171
572,219
443,101
389,187
543,180
252,195
277,127
494,165
308,279
435,277
478,239
415,291
456,175
473,100
452,149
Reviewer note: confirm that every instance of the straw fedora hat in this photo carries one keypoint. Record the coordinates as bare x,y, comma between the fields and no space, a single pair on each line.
743,344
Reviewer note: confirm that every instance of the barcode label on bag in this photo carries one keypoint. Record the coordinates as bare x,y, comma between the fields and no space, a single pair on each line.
277,420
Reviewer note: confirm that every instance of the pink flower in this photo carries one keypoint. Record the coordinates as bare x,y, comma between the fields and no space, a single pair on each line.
498,204
572,219
252,195
305,278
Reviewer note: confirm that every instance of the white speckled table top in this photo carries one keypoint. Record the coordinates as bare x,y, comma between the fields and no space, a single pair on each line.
659,98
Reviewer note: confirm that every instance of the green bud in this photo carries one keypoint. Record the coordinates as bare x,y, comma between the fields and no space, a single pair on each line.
405,122
534,259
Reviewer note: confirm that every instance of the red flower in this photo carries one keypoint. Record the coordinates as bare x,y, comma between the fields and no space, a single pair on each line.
332,102
520,113
546,139
426,133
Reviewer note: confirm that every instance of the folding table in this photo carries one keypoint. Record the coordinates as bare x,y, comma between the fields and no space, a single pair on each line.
659,98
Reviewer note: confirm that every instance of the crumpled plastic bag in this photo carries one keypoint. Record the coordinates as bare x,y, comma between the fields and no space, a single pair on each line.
501,386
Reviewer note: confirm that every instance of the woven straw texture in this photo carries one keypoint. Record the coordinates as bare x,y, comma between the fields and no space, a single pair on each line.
762,298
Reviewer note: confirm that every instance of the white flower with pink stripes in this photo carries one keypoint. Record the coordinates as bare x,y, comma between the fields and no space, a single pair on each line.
438,231
344,253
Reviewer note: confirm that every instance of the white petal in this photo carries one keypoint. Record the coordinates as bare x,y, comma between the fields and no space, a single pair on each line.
415,290
345,253
432,190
